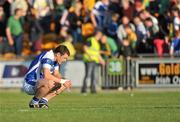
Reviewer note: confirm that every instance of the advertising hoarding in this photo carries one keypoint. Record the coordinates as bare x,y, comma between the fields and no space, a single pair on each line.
12,73
155,73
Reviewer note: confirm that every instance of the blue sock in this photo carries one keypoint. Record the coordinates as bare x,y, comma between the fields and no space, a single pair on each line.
44,100
35,100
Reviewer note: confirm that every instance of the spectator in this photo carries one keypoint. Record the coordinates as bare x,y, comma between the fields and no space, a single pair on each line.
35,34
92,58
161,41
105,50
88,4
7,7
112,45
98,13
75,21
146,14
138,8
152,32
152,20
146,3
14,31
4,45
43,7
114,7
21,4
131,37
141,34
178,4
113,26
87,26
176,19
63,19
173,3
126,49
43,10
87,29
66,39
58,12
175,45
140,29
127,8
163,6
164,22
121,33
154,6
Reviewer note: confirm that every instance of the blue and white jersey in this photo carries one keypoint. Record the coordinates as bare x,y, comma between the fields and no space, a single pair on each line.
175,45
100,8
99,11
43,60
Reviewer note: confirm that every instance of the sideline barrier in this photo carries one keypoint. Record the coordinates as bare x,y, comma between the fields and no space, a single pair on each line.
118,73
12,72
141,72
157,72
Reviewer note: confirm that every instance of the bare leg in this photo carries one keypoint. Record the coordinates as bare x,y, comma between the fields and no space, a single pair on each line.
66,85
55,93
43,87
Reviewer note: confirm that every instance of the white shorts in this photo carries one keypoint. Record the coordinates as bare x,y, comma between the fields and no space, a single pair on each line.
29,89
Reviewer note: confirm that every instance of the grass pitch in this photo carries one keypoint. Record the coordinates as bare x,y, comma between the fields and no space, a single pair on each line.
108,106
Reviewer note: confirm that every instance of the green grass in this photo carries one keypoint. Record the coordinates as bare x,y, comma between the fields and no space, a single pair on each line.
102,107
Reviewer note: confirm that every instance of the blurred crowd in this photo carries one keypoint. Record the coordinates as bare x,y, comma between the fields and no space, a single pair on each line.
128,27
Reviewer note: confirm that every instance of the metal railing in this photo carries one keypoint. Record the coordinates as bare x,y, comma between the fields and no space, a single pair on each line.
125,79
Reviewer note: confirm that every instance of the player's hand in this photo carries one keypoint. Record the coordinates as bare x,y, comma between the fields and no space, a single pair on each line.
55,87
67,84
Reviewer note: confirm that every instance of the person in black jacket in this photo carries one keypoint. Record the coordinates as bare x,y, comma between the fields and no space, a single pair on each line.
4,45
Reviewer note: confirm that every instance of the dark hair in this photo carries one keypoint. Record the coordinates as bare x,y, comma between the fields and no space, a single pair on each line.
62,50
98,30
17,9
174,8
148,19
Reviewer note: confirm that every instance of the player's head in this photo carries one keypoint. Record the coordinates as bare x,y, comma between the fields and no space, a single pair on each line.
61,53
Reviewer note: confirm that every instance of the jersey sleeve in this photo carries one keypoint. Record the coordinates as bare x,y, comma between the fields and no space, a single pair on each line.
46,63
56,66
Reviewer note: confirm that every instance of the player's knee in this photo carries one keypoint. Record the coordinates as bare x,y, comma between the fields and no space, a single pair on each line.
44,85
48,84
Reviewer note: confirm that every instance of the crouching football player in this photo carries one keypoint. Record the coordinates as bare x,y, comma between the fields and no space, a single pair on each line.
43,79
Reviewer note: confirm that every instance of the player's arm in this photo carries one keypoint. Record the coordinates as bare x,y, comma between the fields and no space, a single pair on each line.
65,82
49,76
57,74
47,73
46,66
